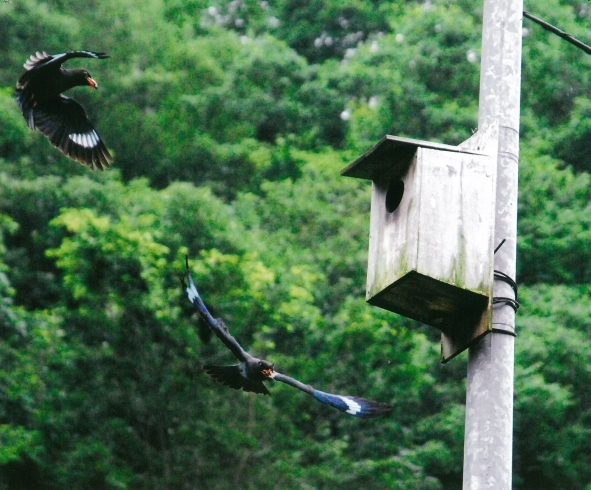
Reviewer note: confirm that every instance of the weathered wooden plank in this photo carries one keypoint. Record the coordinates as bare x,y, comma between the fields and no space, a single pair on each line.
393,236
391,155
456,219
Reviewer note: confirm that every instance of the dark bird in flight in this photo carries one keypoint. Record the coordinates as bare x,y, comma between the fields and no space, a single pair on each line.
60,118
251,372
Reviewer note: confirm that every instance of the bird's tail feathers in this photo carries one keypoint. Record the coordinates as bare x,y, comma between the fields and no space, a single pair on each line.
353,405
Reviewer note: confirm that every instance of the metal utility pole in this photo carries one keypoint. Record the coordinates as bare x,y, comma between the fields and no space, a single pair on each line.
489,398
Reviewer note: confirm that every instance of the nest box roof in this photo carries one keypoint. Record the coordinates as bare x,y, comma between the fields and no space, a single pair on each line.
392,155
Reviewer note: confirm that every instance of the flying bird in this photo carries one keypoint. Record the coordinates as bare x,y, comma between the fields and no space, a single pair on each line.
60,118
250,373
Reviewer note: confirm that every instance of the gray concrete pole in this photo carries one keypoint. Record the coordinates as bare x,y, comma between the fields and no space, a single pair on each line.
488,440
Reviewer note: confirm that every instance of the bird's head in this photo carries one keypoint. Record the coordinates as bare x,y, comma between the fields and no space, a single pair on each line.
266,368
82,77
89,80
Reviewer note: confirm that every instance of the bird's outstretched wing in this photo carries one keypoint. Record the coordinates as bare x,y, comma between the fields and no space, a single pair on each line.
41,58
64,122
353,405
218,326
232,377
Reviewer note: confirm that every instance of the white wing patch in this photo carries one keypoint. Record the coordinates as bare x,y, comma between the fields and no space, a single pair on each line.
41,55
35,58
354,407
192,293
87,140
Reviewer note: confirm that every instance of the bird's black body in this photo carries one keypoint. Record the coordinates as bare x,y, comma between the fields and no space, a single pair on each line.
251,372
248,375
60,118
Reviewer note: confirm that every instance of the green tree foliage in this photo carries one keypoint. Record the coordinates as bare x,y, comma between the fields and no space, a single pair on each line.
553,363
229,123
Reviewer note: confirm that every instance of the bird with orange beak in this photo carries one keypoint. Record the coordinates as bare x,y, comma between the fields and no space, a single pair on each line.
60,118
250,373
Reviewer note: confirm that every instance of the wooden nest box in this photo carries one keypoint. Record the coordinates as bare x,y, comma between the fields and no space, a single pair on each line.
431,233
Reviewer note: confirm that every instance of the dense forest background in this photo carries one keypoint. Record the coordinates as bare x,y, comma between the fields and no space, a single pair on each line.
229,123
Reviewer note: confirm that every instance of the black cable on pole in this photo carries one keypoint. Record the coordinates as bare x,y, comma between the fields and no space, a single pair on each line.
505,278
499,245
558,32
501,276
